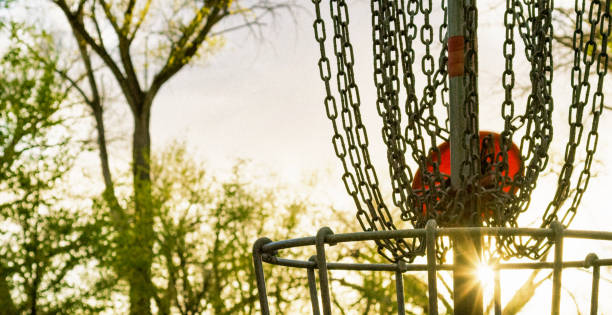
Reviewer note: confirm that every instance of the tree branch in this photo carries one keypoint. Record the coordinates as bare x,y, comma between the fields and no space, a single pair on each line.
181,55
117,212
130,79
101,51
72,82
94,19
110,17
142,16
127,17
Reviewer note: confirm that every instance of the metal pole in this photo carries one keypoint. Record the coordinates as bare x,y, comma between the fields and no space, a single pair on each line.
312,286
592,261
497,293
399,287
259,274
557,267
467,248
432,279
322,265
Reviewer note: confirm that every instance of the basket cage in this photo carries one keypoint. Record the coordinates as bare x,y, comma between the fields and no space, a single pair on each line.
267,251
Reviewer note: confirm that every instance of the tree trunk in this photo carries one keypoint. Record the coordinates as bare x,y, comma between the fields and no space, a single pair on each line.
141,251
8,306
109,196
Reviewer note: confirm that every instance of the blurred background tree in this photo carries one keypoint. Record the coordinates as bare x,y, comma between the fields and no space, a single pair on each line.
42,239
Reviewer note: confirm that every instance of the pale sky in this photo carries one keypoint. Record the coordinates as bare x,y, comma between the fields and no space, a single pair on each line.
257,99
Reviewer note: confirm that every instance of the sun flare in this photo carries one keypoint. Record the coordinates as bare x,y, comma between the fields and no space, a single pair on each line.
485,274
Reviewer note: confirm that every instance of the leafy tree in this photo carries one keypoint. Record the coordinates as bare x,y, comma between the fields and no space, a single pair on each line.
109,36
41,240
204,232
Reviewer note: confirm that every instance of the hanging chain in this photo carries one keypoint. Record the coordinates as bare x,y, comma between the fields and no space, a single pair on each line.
359,178
587,54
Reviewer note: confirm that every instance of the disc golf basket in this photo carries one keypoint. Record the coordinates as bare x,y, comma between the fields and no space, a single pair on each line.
443,170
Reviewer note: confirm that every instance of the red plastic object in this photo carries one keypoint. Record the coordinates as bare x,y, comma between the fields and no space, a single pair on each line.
514,162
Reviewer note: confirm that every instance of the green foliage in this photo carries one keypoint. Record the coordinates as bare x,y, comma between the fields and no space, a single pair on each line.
43,239
29,98
204,230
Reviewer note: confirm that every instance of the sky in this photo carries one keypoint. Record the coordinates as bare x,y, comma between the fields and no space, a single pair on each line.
261,99
257,98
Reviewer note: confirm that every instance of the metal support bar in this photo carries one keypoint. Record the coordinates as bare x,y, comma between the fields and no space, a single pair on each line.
322,264
466,249
557,267
497,293
274,260
591,261
399,288
409,233
432,280
458,123
312,286
259,274
467,289
264,250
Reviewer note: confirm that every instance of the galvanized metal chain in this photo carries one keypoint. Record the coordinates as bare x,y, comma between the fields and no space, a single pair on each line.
350,136
590,49
535,28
